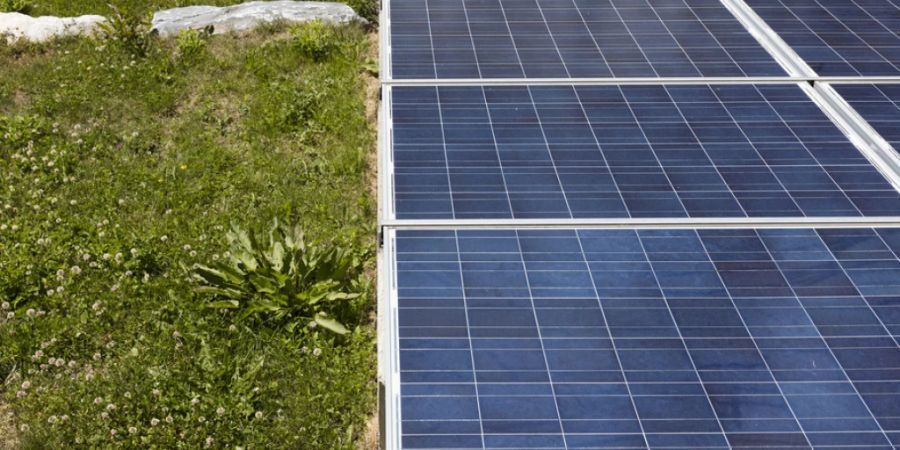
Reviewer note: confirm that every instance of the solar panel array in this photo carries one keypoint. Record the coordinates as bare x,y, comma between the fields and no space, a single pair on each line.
626,151
640,224
662,338
838,37
571,38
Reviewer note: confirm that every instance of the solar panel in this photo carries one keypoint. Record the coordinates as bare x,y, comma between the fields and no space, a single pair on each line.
625,151
879,105
571,38
737,338
838,37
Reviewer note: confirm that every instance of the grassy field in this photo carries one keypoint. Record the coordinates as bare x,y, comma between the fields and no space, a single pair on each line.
123,164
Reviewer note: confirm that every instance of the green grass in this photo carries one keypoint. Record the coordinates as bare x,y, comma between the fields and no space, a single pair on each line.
117,173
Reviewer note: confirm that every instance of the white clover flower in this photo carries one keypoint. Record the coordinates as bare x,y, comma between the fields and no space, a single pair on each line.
164,238
201,419
134,252
128,395
25,385
193,254
86,256
24,427
220,411
169,419
60,274
132,430
64,418
317,352
5,305
52,419
176,334
154,422
110,407
20,394
113,432
195,400
209,441
258,414
37,355
31,312
118,258
59,289
156,392
187,247
10,315
106,256
73,364
75,270
104,415
312,324
97,356
73,202
98,400
14,228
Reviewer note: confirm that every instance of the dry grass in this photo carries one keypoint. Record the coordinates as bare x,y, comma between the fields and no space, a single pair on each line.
9,438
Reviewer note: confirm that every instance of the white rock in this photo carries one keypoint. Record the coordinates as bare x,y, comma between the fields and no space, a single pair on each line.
20,26
248,15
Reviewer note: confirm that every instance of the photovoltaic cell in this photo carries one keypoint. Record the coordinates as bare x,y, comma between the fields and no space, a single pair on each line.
838,37
625,151
572,339
879,105
571,38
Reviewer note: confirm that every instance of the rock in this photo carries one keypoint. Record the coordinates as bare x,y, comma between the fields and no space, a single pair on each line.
20,26
248,15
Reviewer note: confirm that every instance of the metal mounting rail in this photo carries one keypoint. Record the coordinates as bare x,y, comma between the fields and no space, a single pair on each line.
872,145
769,39
651,223
630,81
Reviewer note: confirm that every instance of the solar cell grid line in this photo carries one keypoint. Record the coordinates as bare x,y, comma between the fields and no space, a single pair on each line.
879,105
473,39
846,377
785,350
838,37
514,152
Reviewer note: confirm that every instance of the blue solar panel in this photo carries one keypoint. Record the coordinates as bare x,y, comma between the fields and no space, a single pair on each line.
565,339
571,38
879,105
838,37
630,151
